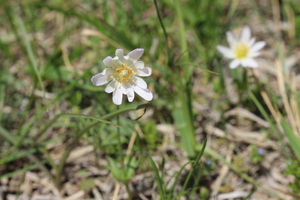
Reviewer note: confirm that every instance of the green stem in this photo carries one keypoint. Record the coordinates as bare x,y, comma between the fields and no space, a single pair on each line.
164,29
183,114
30,53
183,42
52,121
128,191
122,156
188,131
81,132
194,165
120,143
34,159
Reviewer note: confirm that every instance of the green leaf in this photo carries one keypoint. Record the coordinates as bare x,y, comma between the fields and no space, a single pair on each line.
293,139
87,184
100,24
30,51
123,175
185,131
159,180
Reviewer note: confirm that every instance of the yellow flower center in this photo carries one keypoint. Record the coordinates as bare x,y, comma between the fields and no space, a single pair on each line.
123,74
241,50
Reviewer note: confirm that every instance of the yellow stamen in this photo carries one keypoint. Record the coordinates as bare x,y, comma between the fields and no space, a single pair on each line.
123,73
241,50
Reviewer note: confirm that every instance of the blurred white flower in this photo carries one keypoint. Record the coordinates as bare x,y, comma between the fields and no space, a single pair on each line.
123,74
242,50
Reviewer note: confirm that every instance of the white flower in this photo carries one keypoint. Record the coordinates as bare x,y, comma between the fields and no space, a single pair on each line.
242,50
122,75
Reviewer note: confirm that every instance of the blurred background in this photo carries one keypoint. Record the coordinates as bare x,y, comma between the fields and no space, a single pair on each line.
55,144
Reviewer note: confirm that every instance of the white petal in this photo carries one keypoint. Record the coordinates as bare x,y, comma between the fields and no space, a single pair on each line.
144,93
139,64
117,62
130,94
251,42
110,87
258,46
101,78
227,52
120,54
234,64
253,54
109,62
231,39
249,62
127,85
140,82
147,71
124,88
135,54
117,96
246,34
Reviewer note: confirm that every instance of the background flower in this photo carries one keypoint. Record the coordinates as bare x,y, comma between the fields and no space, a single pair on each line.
123,74
242,50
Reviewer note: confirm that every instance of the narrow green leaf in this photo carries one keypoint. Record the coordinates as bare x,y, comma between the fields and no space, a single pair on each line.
247,178
3,71
293,139
194,165
19,171
7,136
100,24
99,119
82,131
248,196
11,139
30,51
183,40
185,131
59,97
267,117
177,177
158,179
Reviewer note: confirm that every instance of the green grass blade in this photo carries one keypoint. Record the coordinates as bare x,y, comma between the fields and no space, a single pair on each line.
248,196
28,154
164,30
5,49
30,51
99,119
186,131
39,163
7,136
183,41
177,177
20,141
194,165
163,169
59,97
108,30
84,130
19,171
293,139
52,121
2,90
266,116
9,155
158,179
217,156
